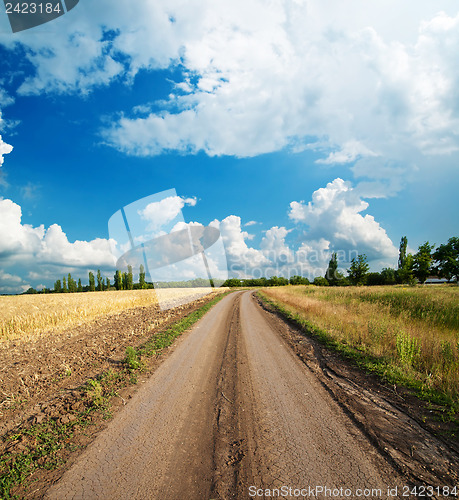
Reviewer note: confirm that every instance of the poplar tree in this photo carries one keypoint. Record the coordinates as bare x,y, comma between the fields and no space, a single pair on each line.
129,279
100,281
142,282
92,282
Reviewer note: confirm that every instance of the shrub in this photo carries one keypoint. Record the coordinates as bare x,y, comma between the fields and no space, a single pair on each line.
320,281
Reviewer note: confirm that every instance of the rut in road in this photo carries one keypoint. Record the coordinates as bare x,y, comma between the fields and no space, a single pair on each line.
231,407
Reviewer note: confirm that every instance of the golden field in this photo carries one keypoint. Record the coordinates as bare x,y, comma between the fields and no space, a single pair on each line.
30,316
407,334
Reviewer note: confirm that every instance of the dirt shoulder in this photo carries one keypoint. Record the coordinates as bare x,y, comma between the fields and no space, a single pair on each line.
48,413
408,431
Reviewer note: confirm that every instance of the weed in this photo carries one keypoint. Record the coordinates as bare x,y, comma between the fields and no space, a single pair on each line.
94,392
408,349
132,359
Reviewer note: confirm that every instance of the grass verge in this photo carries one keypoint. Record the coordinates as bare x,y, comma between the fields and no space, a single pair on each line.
45,445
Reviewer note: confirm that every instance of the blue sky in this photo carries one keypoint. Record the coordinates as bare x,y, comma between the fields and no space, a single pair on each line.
321,126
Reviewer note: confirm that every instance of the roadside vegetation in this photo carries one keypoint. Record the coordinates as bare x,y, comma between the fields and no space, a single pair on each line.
407,335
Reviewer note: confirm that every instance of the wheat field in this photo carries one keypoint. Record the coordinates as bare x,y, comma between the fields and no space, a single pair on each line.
30,316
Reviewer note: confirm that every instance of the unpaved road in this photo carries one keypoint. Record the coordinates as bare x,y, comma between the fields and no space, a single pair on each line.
231,407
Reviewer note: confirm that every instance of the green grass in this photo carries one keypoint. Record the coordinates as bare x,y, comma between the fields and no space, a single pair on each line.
45,443
434,304
401,365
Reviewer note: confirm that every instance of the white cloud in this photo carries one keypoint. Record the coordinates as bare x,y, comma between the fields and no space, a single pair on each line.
241,258
29,248
349,152
257,78
334,215
274,247
356,88
4,148
159,214
250,223
10,283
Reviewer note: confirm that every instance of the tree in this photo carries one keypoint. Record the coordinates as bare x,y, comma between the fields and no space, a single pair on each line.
298,280
358,270
92,282
446,257
129,279
405,273
319,281
422,261
71,283
124,281
232,282
402,252
100,281
58,286
80,286
332,275
388,276
374,279
64,286
107,286
142,276
118,280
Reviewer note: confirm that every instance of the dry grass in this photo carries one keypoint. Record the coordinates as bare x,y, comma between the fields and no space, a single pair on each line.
27,317
415,331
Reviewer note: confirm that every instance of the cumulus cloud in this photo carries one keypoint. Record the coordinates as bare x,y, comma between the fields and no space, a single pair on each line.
241,257
335,216
4,148
28,247
253,78
159,214
356,88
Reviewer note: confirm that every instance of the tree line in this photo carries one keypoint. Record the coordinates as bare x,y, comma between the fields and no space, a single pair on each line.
442,261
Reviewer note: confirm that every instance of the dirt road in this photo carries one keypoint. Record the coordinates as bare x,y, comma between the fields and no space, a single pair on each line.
232,407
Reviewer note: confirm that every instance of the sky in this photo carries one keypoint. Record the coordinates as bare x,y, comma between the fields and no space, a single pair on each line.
294,127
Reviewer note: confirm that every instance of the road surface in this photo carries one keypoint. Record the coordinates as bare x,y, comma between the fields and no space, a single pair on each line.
231,413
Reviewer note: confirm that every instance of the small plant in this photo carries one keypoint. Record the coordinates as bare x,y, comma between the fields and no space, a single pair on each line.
132,359
408,349
94,392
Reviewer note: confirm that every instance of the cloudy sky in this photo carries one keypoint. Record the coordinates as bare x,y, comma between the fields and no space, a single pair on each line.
296,127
